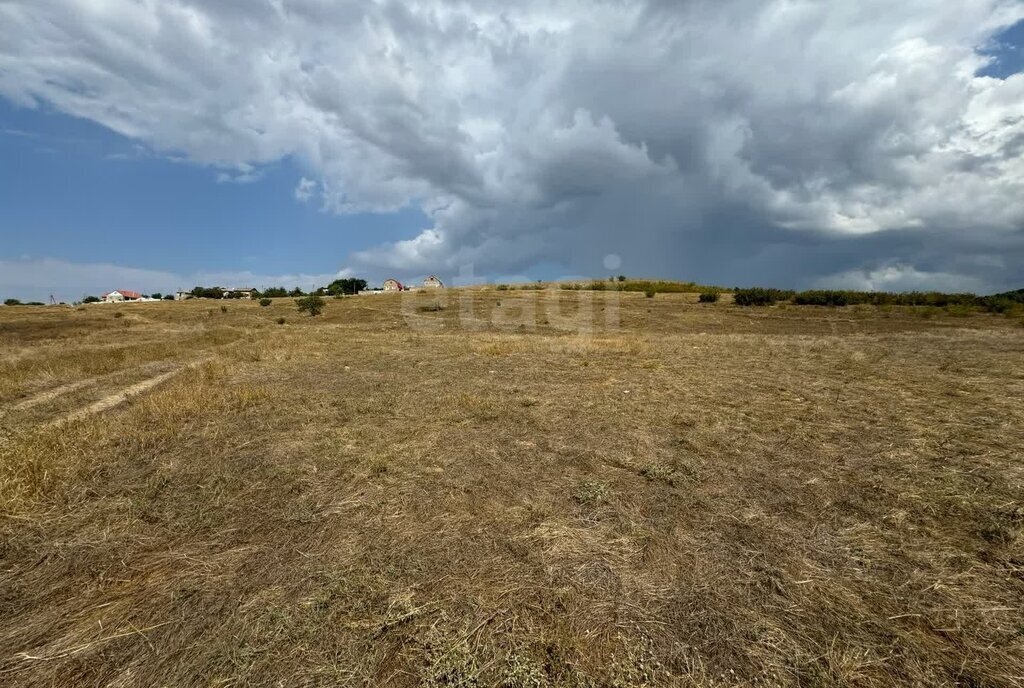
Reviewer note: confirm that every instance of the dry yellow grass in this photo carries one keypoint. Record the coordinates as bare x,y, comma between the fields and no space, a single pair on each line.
393,495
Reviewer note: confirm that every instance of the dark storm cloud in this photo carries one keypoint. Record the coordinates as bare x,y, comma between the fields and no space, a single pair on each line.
791,143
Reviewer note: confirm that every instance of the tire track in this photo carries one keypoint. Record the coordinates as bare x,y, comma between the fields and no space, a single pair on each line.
117,398
51,394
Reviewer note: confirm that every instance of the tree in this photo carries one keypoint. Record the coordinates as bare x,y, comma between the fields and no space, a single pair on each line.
348,285
312,304
91,299
156,295
622,278
275,292
208,293
12,302
296,292
168,297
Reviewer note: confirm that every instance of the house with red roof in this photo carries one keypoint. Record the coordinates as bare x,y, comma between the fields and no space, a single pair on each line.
119,295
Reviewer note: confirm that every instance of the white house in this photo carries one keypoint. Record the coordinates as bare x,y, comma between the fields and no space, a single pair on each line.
119,295
433,283
393,285
242,293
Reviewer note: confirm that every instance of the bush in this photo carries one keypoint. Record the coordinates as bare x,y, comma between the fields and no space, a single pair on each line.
223,309
14,302
502,287
91,299
280,321
312,304
208,292
759,296
265,302
650,292
119,314
708,296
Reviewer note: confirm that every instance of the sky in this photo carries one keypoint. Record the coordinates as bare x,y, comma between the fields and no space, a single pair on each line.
155,145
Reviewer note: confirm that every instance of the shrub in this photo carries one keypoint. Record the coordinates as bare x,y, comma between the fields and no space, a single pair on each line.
708,296
14,302
759,296
265,302
312,304
280,321
208,292
502,287
223,309
119,314
828,297
650,292
91,299
959,311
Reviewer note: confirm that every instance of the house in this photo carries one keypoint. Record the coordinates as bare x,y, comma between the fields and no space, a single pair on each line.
433,283
182,295
393,285
239,293
119,295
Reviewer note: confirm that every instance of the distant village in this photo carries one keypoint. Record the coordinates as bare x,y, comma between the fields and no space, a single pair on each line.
340,287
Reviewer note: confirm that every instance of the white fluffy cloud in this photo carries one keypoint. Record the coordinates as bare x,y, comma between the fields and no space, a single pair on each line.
728,141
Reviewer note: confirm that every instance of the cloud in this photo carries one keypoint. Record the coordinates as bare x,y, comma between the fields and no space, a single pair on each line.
899,277
732,142
305,189
35,279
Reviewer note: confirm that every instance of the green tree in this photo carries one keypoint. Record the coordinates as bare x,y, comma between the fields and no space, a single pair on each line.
275,292
157,295
296,292
91,299
348,285
312,304
12,302
208,293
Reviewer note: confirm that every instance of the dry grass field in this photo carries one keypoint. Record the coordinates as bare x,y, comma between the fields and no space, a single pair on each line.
682,494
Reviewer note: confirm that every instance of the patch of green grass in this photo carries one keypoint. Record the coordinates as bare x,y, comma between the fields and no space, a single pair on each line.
590,492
